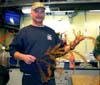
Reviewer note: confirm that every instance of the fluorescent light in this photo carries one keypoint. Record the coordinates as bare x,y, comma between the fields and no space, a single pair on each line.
94,10
47,9
26,10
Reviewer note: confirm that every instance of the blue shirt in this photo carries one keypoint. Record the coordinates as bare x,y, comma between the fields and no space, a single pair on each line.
34,41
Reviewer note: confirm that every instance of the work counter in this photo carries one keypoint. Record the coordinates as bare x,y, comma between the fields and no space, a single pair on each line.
80,75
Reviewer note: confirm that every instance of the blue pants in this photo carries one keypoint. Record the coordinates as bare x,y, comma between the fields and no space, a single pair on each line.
31,80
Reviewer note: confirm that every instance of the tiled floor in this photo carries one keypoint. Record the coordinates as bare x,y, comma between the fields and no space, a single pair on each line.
15,77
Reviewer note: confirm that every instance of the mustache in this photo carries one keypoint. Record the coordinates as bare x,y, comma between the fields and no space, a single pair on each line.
40,17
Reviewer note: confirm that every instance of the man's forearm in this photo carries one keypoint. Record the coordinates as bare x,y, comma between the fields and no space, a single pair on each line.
18,55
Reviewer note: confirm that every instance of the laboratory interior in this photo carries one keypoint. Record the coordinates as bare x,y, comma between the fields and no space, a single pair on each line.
69,19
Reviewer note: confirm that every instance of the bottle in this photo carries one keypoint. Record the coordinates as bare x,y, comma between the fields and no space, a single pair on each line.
72,61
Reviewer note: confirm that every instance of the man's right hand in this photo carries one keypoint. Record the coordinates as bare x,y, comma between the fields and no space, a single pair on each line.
28,59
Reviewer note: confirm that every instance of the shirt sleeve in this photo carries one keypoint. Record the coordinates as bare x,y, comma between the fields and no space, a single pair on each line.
96,51
17,43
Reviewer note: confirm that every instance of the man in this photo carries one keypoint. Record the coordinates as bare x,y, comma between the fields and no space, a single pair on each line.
29,47
96,50
30,44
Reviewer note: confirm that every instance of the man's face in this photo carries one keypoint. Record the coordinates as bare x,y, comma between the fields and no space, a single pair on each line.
38,15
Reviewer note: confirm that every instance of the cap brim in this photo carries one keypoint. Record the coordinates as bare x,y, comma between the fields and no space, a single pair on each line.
37,8
38,5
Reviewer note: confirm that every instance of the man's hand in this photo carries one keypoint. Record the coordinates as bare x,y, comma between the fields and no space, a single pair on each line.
28,59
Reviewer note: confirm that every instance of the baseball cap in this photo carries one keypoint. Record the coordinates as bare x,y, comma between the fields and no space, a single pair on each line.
36,5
